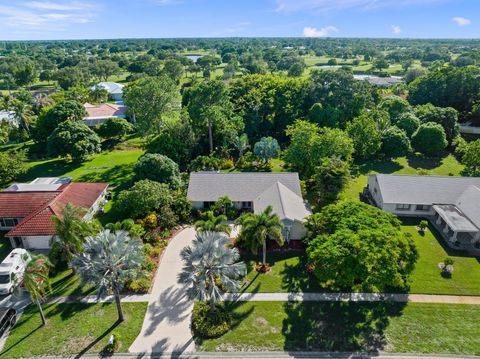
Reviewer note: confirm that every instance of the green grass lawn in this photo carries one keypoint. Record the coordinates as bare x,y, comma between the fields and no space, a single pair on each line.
426,277
65,283
73,328
410,165
347,326
288,274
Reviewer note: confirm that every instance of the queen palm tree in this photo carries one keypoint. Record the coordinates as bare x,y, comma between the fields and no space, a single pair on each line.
211,267
110,259
23,113
36,280
213,223
256,228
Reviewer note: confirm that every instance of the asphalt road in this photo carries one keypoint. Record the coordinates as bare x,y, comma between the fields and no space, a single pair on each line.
19,302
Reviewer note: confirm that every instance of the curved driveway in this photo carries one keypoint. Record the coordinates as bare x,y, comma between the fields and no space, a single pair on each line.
166,327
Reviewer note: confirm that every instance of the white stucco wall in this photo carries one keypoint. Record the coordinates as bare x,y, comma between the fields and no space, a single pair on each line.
37,242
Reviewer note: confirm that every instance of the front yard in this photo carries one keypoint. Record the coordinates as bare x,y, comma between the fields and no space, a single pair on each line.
73,328
348,326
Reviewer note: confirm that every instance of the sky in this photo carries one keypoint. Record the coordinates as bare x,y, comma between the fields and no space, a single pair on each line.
100,19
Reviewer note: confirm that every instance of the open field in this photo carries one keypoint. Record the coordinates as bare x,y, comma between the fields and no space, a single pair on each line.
73,328
349,326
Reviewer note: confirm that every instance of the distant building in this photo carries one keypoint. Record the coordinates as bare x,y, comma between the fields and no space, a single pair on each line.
96,114
115,90
452,204
8,116
380,81
26,209
254,191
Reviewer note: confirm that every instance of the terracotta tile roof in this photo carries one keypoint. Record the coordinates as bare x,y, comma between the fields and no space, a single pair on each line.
39,221
21,204
105,111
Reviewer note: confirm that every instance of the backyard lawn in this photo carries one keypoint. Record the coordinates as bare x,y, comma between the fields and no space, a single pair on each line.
349,326
426,277
73,328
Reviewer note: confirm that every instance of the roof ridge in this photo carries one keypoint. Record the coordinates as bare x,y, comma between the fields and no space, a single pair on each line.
426,176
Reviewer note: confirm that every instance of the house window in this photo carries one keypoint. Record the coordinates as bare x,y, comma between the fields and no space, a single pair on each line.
403,207
208,204
8,222
246,205
422,207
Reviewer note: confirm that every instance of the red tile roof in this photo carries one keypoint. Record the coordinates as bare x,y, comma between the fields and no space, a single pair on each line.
38,221
106,110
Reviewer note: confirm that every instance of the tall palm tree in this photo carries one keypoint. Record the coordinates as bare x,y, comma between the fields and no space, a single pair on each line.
256,228
23,114
36,280
71,231
110,259
211,267
213,223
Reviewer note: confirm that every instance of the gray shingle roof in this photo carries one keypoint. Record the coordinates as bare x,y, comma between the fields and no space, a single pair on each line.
239,186
469,204
423,189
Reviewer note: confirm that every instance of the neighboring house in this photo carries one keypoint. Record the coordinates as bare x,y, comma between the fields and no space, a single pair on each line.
254,191
115,90
452,204
26,209
8,116
380,81
97,114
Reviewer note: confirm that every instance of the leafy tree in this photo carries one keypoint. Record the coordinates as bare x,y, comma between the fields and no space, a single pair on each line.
296,70
408,122
103,69
75,139
241,144
447,117
266,149
115,127
150,100
413,73
12,165
173,69
395,106
324,117
309,144
358,247
24,72
110,259
471,158
366,137
211,268
36,280
50,118
429,139
212,114
143,197
134,230
176,141
213,223
72,75
395,142
71,231
330,178
256,228
158,168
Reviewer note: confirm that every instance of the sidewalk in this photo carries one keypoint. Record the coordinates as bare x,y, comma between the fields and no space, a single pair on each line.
95,299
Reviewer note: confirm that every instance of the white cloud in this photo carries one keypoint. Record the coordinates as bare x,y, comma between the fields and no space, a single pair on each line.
332,5
167,2
323,32
461,21
47,5
396,29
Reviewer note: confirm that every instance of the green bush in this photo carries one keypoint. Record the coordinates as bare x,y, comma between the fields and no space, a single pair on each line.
210,324
140,285
111,348
448,261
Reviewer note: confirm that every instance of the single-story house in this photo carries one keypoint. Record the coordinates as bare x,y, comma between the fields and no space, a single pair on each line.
254,191
452,204
115,90
8,116
26,209
97,114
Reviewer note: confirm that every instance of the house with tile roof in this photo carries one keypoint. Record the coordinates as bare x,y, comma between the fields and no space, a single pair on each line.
452,204
26,209
97,114
254,191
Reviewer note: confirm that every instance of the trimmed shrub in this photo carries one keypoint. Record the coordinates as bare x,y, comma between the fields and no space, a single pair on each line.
210,324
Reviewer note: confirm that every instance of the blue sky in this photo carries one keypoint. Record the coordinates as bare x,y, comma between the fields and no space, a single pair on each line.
80,19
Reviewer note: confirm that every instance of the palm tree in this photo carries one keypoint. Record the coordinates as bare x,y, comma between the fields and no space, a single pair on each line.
211,267
23,114
213,223
108,261
241,144
71,231
256,228
36,280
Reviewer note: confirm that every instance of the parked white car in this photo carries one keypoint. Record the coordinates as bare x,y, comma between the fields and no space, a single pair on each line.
12,270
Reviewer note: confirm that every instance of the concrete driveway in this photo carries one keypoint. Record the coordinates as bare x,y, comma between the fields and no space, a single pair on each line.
19,301
166,327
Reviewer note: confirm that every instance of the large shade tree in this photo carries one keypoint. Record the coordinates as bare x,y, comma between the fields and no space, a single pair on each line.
257,228
110,259
211,267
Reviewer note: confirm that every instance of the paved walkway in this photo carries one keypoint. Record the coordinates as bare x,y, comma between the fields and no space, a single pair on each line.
353,297
166,327
94,299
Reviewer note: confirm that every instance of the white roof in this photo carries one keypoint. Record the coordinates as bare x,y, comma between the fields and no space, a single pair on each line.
39,184
111,87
